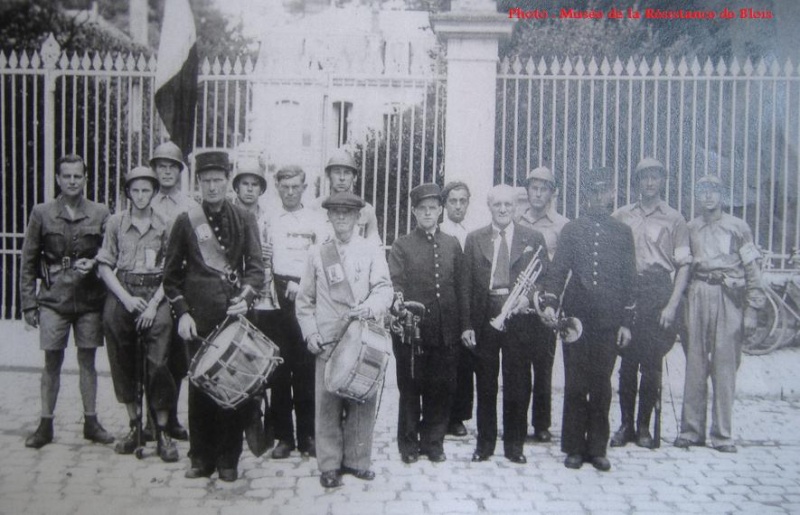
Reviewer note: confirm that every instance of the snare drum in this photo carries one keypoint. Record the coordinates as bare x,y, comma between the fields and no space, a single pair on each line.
358,363
234,362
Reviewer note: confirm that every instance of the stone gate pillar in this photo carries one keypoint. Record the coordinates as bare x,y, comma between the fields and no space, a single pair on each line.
472,30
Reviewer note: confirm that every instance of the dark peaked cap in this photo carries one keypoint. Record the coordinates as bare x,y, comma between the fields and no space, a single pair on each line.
212,160
344,199
423,191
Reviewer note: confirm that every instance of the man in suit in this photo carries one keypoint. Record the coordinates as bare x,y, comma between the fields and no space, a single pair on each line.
598,252
425,266
494,256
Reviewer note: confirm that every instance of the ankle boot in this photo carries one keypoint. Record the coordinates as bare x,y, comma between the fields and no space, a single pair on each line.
92,430
42,436
167,450
130,442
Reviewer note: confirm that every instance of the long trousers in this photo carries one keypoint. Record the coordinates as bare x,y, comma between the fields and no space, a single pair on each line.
542,355
588,364
425,396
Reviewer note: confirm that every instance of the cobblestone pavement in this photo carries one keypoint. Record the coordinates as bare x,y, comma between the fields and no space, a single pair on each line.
72,476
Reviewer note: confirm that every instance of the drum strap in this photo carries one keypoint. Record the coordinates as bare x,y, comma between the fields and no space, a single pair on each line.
334,273
210,248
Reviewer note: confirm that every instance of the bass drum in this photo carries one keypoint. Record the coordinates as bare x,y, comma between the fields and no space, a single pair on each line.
358,364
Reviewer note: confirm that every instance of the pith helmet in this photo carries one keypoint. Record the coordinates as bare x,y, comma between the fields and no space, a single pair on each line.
543,174
141,172
649,163
169,151
253,167
341,157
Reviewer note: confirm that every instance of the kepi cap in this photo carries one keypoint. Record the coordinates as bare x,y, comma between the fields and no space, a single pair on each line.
344,199
423,191
598,179
212,160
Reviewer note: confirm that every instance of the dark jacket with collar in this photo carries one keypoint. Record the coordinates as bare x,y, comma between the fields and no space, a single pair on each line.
599,250
427,269
478,254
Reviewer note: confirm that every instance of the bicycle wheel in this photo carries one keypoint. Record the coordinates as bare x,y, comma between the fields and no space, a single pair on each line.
770,328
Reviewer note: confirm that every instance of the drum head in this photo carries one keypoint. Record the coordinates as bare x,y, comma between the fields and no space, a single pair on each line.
344,357
210,354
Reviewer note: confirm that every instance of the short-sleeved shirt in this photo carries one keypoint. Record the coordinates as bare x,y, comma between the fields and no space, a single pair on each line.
549,225
717,246
128,249
660,236
293,233
168,207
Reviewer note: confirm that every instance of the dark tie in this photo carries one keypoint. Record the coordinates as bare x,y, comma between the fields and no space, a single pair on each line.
500,277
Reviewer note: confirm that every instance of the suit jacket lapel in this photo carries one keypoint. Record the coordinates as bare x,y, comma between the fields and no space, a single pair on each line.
485,243
517,245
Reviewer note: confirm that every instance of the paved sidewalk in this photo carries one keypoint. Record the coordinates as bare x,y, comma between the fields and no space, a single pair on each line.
72,476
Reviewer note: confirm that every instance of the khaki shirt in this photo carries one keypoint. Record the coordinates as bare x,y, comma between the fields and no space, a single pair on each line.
168,207
549,225
660,236
127,249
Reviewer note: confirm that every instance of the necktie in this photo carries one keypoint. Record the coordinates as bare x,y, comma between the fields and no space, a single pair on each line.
500,277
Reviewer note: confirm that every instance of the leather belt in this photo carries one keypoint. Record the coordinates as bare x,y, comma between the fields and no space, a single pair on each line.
132,279
58,266
497,292
713,278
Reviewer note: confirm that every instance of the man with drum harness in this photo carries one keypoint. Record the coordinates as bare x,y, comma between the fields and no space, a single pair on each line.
495,256
213,269
292,229
342,173
661,239
425,266
593,272
61,243
136,323
724,293
540,214
346,279
168,202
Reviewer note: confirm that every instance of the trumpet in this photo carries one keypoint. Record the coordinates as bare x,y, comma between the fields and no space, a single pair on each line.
522,286
568,329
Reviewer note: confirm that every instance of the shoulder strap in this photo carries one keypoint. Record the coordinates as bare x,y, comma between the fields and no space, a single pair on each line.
334,273
213,255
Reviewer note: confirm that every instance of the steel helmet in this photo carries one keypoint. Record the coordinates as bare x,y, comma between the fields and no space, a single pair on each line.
169,151
341,157
250,166
709,181
543,174
649,163
141,172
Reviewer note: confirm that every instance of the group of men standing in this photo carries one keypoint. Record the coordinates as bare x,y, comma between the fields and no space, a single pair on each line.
175,269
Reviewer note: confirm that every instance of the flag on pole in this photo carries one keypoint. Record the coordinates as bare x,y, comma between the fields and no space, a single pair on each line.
176,75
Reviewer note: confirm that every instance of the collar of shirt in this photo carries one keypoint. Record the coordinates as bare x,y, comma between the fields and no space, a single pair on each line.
79,210
529,217
658,207
153,221
509,229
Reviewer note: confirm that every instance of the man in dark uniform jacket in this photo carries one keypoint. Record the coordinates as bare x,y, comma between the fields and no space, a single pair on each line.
493,257
425,266
598,251
202,296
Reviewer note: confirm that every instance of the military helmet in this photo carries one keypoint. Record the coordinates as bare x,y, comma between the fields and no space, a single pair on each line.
649,163
541,173
141,172
709,181
169,151
250,166
341,157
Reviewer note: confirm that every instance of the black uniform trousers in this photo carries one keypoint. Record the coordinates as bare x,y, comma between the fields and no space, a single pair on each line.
649,343
514,344
462,405
425,396
588,365
542,356
292,382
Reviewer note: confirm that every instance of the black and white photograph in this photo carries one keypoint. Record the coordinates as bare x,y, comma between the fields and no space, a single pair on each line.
339,257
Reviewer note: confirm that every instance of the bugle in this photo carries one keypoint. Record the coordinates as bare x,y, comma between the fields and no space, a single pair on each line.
522,286
568,329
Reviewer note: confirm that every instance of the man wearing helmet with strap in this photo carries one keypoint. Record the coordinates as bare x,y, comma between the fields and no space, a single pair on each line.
135,314
661,239
168,202
342,173
723,295
541,215
213,269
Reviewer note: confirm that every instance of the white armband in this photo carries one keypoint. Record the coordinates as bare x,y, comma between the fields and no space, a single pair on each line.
749,253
